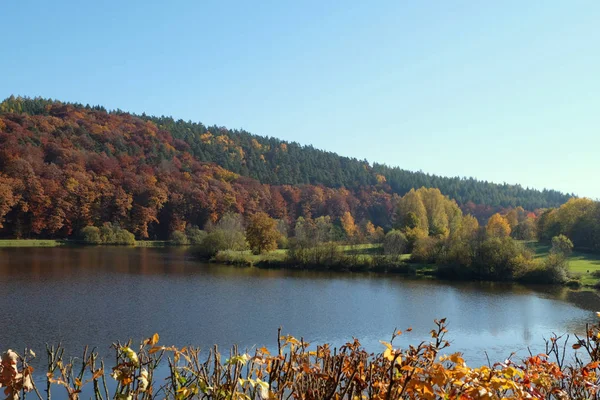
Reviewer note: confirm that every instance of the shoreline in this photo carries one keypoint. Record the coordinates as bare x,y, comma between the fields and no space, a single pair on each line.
582,265
31,243
426,271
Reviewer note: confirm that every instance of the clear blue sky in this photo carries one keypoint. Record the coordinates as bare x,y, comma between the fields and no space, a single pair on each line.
505,91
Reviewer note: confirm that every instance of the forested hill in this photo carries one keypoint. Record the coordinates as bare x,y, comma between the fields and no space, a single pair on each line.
277,162
64,166
274,161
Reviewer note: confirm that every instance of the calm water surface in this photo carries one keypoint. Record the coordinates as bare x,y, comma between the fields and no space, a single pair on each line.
99,295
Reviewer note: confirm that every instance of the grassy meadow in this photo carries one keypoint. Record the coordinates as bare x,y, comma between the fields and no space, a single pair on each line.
584,267
356,257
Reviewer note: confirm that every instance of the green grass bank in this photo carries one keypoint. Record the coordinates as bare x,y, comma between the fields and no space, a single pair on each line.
4,243
31,243
584,267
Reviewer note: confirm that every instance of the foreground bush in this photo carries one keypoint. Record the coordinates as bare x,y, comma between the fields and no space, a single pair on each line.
191,236
395,243
227,234
325,254
262,233
179,238
194,235
299,371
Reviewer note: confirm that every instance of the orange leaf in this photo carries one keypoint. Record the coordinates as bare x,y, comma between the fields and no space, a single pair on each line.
98,374
155,349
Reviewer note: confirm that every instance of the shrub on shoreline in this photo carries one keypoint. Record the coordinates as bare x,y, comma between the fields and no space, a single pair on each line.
108,233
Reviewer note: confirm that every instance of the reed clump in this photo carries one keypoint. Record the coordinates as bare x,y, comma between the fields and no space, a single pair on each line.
297,370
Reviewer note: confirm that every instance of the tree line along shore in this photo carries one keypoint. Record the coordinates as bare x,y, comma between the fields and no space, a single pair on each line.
431,236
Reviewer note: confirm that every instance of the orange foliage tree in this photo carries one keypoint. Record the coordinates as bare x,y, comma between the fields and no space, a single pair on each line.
348,225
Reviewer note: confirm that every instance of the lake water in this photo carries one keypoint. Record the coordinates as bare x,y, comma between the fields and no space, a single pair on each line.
97,295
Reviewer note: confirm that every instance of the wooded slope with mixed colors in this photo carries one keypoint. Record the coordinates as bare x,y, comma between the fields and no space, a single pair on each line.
274,161
65,166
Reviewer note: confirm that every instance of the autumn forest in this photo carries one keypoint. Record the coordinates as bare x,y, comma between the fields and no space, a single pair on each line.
66,166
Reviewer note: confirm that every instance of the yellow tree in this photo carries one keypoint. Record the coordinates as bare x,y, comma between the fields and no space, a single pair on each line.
348,225
497,226
434,202
411,212
262,233
573,211
454,214
467,229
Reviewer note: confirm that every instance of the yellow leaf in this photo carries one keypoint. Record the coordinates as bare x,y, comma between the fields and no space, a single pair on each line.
456,358
388,354
511,372
154,340
386,344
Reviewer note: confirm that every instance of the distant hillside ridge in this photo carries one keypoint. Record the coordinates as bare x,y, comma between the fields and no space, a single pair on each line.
277,162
